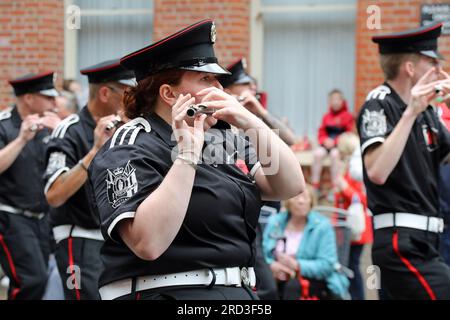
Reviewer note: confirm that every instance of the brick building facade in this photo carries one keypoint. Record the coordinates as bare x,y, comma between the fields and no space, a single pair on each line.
31,40
396,15
231,17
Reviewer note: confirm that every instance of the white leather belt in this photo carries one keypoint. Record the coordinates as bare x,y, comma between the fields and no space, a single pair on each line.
408,220
26,213
63,232
226,276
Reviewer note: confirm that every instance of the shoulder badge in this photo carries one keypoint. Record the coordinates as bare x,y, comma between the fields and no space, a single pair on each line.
5,114
379,93
57,161
121,184
374,123
62,127
127,133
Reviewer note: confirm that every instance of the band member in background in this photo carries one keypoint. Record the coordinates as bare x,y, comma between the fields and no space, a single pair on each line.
73,145
403,143
24,230
243,86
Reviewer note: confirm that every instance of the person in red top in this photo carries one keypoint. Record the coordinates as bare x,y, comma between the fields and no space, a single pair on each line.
350,189
443,110
335,122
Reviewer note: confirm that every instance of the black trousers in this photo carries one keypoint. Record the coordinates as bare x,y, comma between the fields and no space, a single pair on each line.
24,254
410,264
357,283
79,266
193,293
266,286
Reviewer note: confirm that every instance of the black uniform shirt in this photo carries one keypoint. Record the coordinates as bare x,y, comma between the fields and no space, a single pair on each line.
21,184
413,184
222,215
70,142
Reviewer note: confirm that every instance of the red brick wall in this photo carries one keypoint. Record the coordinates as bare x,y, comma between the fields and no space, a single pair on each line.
396,15
232,19
31,40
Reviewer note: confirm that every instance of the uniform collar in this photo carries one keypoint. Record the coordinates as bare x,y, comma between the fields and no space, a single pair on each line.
15,117
162,129
396,97
87,116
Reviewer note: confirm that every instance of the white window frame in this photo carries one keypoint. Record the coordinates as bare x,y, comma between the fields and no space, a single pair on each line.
257,11
71,35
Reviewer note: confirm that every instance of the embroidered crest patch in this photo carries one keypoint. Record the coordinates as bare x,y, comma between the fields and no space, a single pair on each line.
374,123
213,33
121,184
57,161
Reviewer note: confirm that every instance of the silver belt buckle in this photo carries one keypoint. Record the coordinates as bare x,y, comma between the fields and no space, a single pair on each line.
245,276
440,225
34,215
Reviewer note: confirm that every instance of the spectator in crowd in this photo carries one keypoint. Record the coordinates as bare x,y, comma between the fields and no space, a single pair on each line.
335,122
81,94
66,104
351,194
303,241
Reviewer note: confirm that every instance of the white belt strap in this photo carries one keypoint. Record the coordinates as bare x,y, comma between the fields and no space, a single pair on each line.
408,220
228,277
26,213
63,232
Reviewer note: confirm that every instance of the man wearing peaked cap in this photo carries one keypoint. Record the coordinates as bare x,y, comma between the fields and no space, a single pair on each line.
41,84
403,143
423,40
243,86
109,71
24,232
238,76
185,227
73,145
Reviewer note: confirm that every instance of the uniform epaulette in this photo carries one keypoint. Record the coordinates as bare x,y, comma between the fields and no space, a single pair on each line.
127,133
61,129
5,114
379,93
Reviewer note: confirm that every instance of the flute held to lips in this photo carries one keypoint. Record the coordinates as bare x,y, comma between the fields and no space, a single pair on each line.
195,109
242,98
114,123
34,127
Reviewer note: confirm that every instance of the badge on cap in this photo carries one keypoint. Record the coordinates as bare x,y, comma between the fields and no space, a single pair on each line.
244,63
213,33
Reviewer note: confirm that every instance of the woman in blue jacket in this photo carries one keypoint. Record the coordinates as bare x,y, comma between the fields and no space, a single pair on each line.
301,240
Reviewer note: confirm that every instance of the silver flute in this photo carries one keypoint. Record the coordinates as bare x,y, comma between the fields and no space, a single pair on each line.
195,109
438,88
114,124
241,98
34,127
